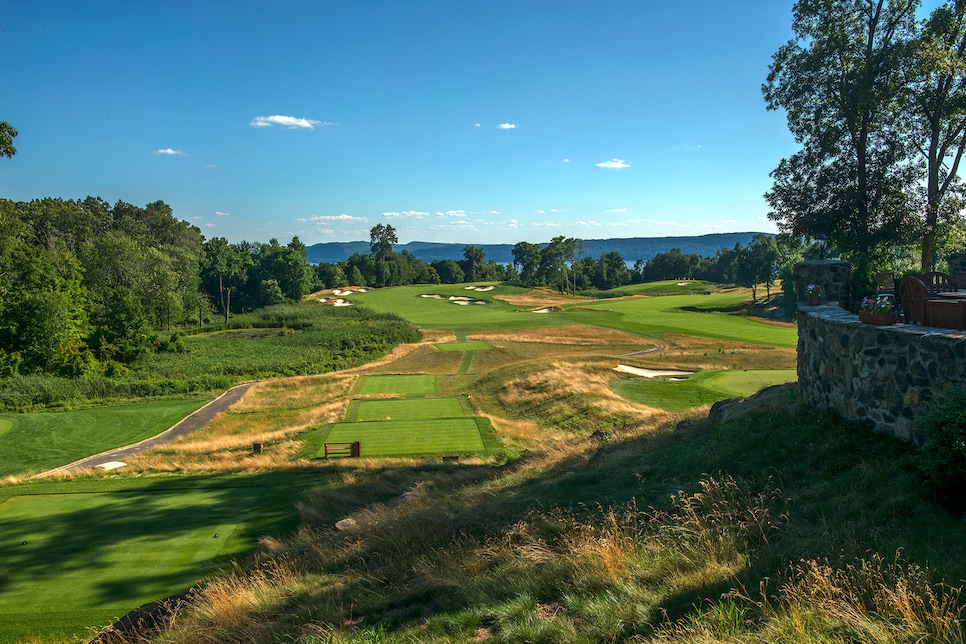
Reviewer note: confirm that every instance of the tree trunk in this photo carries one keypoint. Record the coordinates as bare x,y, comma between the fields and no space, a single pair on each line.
228,307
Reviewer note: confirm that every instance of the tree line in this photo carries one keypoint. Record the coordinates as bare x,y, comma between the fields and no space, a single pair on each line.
560,264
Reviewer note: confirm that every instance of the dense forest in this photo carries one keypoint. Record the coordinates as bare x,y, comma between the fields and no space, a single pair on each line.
87,285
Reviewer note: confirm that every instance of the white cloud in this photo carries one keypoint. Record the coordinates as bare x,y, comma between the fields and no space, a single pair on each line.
566,160
170,152
210,165
544,224
507,126
219,213
556,210
291,122
451,213
406,214
590,224
343,218
614,164
617,210
476,125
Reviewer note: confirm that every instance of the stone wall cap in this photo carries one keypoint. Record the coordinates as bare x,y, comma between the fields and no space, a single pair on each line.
834,313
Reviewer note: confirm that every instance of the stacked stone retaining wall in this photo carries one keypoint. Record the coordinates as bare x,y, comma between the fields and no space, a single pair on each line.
878,376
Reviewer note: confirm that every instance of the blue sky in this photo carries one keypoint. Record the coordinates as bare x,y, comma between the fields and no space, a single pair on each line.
469,122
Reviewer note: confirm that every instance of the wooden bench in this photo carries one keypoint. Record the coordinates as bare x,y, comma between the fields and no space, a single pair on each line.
351,450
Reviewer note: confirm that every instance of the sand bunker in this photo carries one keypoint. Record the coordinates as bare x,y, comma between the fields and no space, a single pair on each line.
685,283
481,289
435,297
650,373
457,298
111,465
341,302
338,292
466,301
549,309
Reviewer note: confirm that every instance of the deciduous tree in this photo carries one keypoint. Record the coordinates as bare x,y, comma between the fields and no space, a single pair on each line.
839,81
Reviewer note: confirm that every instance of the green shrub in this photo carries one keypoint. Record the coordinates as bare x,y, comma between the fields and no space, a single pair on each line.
942,458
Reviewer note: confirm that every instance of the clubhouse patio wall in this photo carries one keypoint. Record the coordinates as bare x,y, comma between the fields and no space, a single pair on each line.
878,376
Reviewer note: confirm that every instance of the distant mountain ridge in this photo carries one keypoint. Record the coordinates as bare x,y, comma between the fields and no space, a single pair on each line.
630,248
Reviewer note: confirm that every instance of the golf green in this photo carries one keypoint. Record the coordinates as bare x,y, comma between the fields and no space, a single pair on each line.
704,388
410,385
410,437
108,553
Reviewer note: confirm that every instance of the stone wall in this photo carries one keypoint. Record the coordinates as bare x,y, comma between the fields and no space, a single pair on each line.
831,275
878,376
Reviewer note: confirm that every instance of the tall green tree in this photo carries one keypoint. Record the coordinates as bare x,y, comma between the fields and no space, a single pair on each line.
381,240
840,83
937,74
7,132
527,257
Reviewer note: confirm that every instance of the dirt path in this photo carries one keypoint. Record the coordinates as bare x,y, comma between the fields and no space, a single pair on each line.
187,425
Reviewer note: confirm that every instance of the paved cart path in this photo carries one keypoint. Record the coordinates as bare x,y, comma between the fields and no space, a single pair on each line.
187,425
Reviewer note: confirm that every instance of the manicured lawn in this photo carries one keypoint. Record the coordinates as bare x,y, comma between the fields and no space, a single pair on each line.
431,313
409,385
43,440
411,437
653,316
408,409
82,553
686,315
464,346
704,388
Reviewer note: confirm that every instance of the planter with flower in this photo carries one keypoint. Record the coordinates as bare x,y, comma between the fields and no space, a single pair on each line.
814,292
877,311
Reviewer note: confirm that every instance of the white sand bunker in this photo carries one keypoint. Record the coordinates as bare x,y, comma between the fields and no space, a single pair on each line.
111,465
466,301
481,289
341,302
338,292
549,309
435,296
323,299
650,373
457,298
685,283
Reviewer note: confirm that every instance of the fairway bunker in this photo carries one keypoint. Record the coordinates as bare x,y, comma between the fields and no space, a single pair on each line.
651,373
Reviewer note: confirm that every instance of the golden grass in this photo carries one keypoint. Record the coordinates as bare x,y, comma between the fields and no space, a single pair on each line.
580,335
539,298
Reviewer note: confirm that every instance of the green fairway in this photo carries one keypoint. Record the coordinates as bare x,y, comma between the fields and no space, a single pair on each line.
704,388
665,287
688,315
96,549
408,409
652,316
43,440
410,385
411,437
427,312
464,346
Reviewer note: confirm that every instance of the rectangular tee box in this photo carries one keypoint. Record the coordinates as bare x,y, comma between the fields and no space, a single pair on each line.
409,409
411,437
415,384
